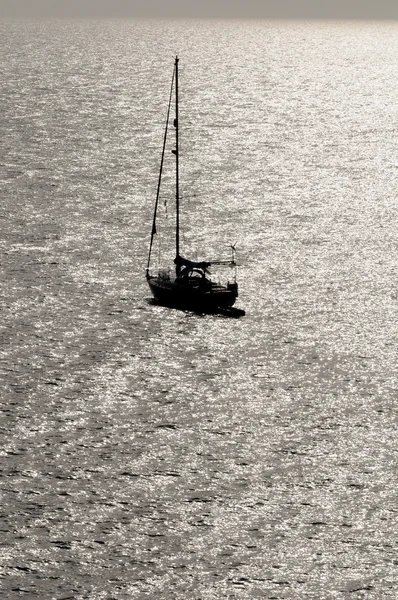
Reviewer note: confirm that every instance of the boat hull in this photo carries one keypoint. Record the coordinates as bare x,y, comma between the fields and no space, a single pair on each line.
200,296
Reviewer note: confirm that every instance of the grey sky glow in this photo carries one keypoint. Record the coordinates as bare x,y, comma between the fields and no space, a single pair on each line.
293,9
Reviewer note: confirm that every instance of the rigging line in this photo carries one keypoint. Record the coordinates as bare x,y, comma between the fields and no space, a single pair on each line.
160,172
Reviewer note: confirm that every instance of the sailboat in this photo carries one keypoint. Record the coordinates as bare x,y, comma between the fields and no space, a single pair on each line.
188,284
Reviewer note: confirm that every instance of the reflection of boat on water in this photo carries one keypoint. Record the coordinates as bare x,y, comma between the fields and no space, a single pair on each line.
190,286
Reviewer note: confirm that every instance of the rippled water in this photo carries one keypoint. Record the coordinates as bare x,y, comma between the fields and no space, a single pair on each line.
152,453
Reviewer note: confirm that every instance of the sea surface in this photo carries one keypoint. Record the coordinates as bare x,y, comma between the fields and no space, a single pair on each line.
154,453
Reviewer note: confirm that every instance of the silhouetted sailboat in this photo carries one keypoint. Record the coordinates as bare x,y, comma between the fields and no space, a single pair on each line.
189,287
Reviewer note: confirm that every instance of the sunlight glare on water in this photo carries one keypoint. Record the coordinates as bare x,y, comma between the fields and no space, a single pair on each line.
153,453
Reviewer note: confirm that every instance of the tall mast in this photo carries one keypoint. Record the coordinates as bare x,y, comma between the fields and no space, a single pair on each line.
177,175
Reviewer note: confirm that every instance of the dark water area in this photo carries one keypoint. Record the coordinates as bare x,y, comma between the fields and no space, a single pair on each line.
154,453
